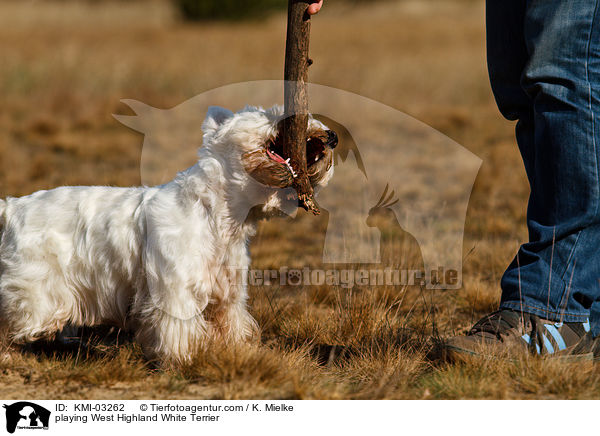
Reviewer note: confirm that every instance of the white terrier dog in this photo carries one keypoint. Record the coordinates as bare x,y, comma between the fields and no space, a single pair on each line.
159,261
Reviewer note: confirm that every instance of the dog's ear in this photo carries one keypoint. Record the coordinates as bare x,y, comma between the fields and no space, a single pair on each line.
215,116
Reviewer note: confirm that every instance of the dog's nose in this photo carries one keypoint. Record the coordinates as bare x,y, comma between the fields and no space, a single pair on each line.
332,139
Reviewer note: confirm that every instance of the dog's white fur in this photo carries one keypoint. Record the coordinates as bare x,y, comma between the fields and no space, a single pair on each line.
155,260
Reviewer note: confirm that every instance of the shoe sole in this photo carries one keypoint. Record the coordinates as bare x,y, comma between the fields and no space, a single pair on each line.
455,354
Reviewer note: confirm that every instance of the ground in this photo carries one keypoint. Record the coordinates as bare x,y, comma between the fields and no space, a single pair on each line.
65,67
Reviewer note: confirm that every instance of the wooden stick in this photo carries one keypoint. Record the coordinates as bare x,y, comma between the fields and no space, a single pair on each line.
296,100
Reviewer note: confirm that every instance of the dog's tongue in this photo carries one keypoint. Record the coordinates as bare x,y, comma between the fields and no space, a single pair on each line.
275,156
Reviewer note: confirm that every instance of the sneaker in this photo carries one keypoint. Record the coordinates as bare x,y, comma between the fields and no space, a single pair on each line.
509,333
587,345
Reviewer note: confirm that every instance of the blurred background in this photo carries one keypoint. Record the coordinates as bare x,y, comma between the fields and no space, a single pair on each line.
66,64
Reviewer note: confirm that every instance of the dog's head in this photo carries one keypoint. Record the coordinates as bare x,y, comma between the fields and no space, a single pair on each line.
250,142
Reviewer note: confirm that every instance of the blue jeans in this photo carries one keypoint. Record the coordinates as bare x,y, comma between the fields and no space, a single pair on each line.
544,65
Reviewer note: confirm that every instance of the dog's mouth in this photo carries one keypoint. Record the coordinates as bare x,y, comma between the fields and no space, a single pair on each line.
317,148
270,166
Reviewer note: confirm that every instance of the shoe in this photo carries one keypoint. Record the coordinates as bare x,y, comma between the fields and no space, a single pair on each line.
509,333
588,344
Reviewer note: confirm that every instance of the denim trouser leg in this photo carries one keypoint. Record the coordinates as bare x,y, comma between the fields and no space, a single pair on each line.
544,64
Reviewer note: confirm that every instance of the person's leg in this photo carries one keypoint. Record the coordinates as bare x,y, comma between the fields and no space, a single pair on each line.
543,59
556,275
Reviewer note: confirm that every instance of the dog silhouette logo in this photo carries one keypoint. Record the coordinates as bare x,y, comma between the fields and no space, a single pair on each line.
26,415
431,174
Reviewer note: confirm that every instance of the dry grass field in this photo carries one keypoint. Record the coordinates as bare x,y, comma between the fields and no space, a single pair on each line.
66,65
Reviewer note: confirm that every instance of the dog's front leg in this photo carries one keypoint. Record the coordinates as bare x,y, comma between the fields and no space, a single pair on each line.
170,328
169,340
237,323
226,313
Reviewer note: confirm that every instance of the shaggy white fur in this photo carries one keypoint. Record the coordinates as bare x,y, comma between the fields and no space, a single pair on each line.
160,261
